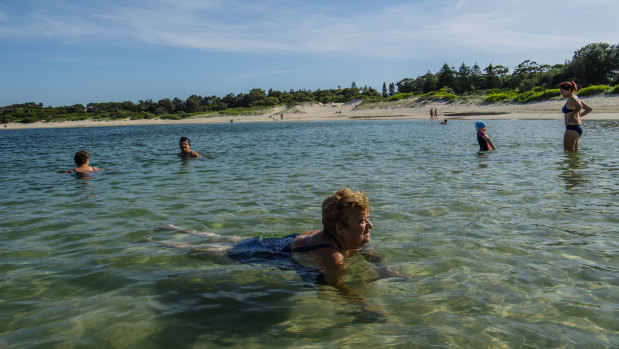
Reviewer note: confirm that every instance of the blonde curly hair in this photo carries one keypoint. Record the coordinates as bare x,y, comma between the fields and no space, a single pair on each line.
336,207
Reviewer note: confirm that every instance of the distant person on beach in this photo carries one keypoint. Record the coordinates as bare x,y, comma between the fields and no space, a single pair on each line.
318,256
82,161
444,122
485,143
186,152
431,114
572,113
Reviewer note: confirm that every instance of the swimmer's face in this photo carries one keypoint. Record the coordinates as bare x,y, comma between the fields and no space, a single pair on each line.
565,93
356,233
184,146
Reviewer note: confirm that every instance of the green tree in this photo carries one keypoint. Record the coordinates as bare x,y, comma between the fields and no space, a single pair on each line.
323,96
527,75
192,104
463,79
129,106
446,77
477,78
596,64
429,82
392,90
143,106
179,104
552,76
502,73
408,85
166,106
491,77
385,93
255,97
76,108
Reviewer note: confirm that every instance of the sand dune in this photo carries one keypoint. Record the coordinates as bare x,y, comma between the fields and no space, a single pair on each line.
604,108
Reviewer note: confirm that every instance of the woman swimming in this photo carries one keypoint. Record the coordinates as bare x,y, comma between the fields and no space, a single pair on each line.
318,256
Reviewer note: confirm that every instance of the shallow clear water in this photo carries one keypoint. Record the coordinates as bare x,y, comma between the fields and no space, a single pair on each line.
513,248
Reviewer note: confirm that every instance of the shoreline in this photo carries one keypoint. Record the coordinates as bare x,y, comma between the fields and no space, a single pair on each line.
604,108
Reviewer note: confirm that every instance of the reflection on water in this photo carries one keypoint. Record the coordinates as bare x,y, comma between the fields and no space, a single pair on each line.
186,164
572,169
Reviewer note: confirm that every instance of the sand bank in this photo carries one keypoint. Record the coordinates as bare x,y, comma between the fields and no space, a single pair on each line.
604,108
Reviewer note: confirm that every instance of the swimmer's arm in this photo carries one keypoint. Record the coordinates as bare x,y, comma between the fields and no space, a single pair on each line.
587,109
371,255
575,104
489,142
334,276
178,245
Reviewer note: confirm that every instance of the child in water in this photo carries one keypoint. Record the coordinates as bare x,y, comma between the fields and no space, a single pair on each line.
186,152
485,143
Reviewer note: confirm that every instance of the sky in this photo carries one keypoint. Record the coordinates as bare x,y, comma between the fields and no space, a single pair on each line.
65,52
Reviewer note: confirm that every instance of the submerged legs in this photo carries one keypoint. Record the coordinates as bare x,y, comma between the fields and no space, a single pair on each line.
209,237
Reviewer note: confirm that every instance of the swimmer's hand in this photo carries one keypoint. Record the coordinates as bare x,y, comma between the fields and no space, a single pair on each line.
370,313
395,274
167,227
385,272
145,240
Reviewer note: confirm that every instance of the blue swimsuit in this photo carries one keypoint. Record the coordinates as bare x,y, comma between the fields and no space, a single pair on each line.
577,128
277,252
565,109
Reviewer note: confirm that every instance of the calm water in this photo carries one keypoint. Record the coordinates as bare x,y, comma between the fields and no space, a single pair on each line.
515,248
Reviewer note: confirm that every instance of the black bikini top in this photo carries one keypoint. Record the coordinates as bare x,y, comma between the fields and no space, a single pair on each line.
314,247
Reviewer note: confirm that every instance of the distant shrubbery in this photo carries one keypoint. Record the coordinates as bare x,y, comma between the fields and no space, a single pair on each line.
537,94
398,96
442,95
593,90
497,96
257,100
595,66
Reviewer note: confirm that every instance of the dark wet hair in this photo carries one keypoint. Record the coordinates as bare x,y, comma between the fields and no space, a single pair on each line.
81,157
568,85
184,139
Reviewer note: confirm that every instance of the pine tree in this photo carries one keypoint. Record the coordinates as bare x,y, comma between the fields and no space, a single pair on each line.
391,89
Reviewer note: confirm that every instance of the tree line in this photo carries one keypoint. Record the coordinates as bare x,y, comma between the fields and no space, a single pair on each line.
593,64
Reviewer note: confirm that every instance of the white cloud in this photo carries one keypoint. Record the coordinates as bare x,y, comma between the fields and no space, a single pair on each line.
405,30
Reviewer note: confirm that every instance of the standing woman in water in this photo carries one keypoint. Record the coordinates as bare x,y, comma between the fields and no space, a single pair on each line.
572,112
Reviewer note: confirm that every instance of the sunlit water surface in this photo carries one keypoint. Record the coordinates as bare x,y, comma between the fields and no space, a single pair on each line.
514,248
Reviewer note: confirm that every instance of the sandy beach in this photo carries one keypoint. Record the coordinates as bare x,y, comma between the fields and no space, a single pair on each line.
604,108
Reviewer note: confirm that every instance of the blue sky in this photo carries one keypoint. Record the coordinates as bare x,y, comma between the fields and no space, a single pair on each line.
80,51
